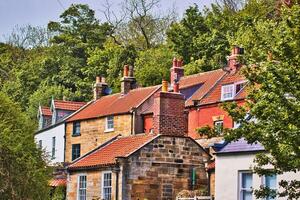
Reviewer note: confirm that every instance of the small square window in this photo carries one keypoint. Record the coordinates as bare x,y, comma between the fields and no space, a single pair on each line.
76,128
109,123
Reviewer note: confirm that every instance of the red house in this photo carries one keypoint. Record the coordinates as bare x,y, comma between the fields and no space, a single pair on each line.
205,92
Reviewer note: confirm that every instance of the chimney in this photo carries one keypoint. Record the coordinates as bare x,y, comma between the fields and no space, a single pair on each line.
177,71
169,117
128,81
99,87
233,63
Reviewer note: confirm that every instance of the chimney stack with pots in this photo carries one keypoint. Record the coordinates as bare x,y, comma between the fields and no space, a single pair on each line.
128,81
99,87
169,117
233,63
177,71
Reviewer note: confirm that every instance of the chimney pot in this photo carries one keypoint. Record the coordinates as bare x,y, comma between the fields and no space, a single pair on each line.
125,71
176,87
131,71
164,86
177,71
128,81
179,63
174,62
98,79
99,87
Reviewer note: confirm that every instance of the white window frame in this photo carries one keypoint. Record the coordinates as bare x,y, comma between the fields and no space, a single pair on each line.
264,184
109,128
232,87
237,83
78,186
53,150
107,187
240,189
219,122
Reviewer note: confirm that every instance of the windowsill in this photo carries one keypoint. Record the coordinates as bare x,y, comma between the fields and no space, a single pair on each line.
109,130
76,135
227,99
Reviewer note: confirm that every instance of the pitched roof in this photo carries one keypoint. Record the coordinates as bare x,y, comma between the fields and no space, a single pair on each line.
239,146
215,93
46,111
115,104
58,182
106,154
68,105
205,80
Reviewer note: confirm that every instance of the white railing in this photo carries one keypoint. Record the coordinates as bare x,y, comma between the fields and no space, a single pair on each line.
195,198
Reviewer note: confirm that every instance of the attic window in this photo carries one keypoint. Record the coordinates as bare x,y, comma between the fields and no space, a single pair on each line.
227,92
239,86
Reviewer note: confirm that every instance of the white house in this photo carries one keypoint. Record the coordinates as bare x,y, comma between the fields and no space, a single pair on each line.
51,133
234,177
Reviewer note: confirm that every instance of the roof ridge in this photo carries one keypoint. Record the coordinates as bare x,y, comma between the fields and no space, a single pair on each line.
201,73
64,101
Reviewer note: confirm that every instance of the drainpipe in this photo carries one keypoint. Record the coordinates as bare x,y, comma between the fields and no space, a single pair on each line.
116,170
132,131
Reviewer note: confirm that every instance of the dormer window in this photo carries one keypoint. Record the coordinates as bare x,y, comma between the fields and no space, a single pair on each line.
227,92
109,124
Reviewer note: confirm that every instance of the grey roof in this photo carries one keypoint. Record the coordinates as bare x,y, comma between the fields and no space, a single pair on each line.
240,146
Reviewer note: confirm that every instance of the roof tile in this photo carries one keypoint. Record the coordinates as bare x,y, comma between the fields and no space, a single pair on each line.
240,145
46,111
68,105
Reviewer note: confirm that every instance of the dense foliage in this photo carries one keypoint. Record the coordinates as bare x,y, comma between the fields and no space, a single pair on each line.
23,173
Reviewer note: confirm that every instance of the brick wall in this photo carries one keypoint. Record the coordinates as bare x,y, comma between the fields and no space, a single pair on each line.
163,168
93,133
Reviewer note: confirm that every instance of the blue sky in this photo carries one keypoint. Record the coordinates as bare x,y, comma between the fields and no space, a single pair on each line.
40,12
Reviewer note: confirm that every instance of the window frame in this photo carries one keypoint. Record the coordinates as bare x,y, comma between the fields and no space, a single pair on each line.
215,123
223,91
106,187
73,145
107,128
75,125
264,184
40,144
78,186
240,184
53,150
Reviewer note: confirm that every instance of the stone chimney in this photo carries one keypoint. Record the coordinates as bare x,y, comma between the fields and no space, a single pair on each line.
177,71
169,117
99,87
233,63
128,81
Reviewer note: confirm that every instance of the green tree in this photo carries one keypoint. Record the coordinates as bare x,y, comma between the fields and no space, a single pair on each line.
273,97
23,172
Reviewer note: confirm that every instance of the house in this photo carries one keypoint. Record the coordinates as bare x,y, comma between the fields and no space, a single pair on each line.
107,116
156,165
51,133
205,92
234,176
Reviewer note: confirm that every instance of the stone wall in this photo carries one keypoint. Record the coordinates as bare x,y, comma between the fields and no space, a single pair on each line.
92,133
161,169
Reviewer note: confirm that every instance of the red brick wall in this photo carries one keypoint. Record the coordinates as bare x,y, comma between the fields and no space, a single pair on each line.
204,116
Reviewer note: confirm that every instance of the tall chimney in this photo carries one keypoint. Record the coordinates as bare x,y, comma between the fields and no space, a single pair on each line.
99,87
177,71
233,63
169,117
128,81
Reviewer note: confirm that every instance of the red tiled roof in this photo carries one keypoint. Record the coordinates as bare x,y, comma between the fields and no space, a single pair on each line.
207,79
215,94
114,104
46,111
58,182
68,105
107,154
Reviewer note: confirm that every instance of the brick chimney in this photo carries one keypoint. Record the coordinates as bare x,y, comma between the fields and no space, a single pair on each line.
233,63
177,71
128,81
169,117
99,87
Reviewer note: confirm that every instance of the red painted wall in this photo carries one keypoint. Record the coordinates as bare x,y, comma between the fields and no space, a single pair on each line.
203,116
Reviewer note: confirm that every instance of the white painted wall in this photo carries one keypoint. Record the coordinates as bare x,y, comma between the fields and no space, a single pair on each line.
46,136
227,171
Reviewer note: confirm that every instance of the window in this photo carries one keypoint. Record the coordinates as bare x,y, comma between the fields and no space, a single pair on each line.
40,144
53,148
227,92
270,182
81,193
245,186
239,86
106,185
76,128
218,126
75,151
109,123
